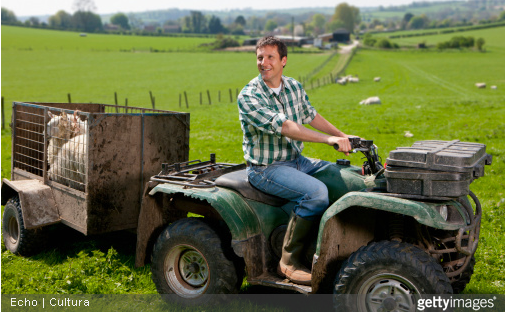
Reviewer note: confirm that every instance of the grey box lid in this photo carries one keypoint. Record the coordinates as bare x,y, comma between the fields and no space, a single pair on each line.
451,156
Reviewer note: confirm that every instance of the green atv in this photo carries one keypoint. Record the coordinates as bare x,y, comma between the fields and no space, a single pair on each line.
390,233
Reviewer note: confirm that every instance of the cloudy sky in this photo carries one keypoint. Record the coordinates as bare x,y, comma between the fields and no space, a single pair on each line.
49,7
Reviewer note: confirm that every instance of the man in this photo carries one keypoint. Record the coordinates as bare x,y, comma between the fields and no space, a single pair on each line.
272,109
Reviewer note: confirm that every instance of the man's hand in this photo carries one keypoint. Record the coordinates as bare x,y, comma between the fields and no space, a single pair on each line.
344,145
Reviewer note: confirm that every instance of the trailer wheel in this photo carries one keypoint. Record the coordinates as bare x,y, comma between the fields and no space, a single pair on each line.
387,276
17,239
189,260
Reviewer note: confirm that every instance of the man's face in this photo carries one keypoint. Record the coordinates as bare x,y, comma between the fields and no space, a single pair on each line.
270,65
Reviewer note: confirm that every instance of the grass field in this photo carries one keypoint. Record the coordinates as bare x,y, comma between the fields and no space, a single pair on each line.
429,93
492,36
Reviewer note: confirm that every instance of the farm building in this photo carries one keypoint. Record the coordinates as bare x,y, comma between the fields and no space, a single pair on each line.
288,40
339,35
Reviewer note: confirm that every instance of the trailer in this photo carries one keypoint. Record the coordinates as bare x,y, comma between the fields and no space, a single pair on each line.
84,165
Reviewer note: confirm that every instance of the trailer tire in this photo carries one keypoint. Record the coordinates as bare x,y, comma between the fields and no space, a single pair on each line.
17,239
387,275
193,264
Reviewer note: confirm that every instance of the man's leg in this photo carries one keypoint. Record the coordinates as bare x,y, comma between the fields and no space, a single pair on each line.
311,200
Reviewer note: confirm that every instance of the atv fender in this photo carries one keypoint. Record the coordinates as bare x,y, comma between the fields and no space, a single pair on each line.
38,206
424,212
235,212
342,231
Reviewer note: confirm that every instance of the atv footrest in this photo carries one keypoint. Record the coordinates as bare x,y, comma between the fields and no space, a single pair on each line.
273,280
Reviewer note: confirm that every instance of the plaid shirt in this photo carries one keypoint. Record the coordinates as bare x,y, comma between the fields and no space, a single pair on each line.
262,113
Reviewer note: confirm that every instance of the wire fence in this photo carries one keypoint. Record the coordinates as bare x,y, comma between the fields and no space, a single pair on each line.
230,95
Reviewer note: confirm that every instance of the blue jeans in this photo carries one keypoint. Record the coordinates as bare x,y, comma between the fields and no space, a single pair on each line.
293,180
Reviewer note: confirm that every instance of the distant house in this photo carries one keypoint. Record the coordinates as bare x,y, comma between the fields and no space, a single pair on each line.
111,27
172,28
339,35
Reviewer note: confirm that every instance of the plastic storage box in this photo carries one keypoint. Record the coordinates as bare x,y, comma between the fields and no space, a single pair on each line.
436,168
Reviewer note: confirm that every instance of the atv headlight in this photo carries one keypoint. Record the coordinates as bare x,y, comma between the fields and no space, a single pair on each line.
443,210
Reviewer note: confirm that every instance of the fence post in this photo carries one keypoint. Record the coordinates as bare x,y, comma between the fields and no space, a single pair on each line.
115,97
219,96
208,95
69,98
236,92
126,102
331,76
200,98
180,100
231,96
152,100
186,98
3,114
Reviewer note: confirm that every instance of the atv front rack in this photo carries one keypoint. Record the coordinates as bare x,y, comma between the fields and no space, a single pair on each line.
195,173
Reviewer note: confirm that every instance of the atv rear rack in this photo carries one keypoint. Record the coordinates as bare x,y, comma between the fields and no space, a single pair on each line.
195,173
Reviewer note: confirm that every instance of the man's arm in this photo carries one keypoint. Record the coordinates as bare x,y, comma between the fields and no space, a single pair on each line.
298,132
325,126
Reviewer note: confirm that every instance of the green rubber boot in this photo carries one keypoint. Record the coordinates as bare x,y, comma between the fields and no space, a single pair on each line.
292,249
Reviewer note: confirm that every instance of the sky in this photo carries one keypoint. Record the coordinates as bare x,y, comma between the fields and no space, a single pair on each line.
50,7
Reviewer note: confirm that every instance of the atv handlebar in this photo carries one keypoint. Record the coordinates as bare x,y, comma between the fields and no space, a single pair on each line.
373,164
358,144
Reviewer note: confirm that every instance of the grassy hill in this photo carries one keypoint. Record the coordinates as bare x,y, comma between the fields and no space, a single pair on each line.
429,93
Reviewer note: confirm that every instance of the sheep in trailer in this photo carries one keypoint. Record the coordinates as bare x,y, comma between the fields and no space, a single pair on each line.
67,150
59,130
69,166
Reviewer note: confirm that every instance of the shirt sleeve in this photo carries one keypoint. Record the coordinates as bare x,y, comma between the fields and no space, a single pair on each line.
308,111
254,111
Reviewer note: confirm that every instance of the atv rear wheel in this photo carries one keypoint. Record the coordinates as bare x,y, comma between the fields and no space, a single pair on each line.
17,239
189,260
388,276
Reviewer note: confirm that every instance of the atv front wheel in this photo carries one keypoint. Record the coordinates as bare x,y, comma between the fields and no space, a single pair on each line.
189,260
387,276
17,239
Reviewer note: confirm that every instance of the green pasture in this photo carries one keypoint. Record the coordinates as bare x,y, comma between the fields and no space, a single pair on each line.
429,93
492,36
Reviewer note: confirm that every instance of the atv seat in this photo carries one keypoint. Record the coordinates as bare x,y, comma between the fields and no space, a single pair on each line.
238,181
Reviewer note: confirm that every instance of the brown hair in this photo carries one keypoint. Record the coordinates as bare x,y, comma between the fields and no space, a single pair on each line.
272,41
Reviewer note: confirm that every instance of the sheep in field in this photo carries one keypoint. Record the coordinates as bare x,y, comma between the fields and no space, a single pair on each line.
371,100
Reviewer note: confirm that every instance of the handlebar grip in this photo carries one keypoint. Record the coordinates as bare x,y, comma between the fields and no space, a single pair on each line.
336,147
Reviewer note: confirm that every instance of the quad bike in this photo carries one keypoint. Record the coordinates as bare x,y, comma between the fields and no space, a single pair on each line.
391,233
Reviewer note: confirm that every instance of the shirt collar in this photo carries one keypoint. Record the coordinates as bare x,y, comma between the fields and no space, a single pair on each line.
267,89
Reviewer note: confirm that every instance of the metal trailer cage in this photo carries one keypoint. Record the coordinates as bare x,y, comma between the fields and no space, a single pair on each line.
95,158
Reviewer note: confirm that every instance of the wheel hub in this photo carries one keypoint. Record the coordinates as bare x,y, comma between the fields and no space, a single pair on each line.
389,292
13,230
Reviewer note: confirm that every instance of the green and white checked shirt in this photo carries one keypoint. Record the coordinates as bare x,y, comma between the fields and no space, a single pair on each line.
262,113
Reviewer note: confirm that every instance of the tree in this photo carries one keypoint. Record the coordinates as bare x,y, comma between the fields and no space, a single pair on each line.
61,19
215,26
240,20
480,43
197,22
502,16
349,15
120,19
418,22
84,19
270,25
318,22
84,5
87,21
8,17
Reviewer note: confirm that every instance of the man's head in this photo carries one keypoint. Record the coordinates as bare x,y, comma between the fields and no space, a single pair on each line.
272,41
271,57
